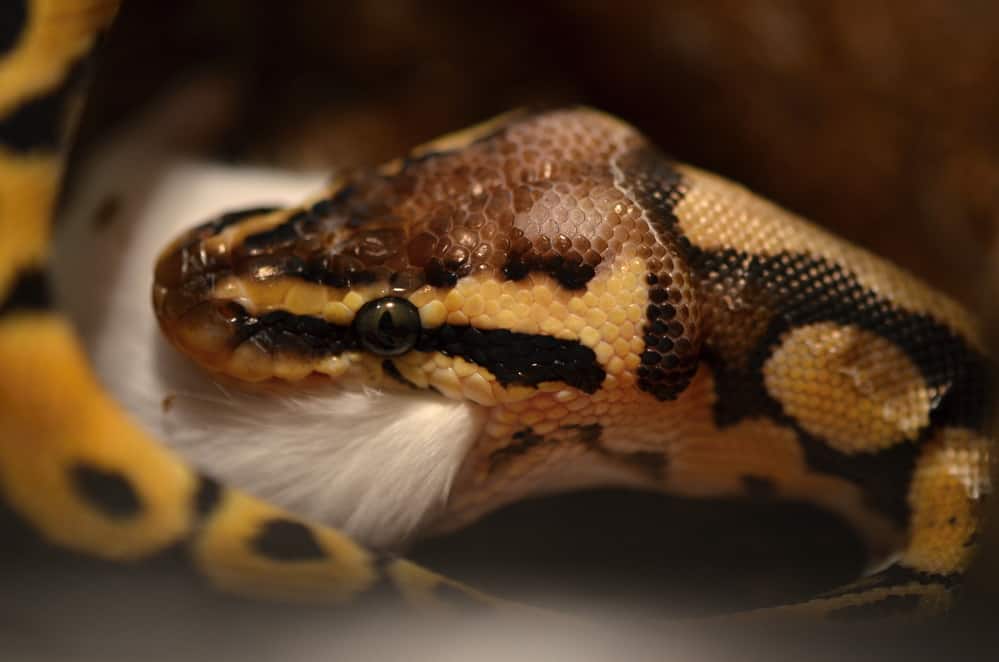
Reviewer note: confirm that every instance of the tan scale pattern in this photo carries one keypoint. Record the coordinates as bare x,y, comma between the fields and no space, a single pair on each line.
948,499
715,213
700,460
537,305
849,387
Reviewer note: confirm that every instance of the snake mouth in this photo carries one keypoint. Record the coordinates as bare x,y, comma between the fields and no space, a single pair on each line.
183,282
219,303
273,292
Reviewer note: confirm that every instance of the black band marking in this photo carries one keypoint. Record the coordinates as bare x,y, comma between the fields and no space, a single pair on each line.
658,187
37,124
514,358
571,273
31,291
383,591
228,219
107,491
443,274
301,335
518,358
13,21
287,541
277,237
523,441
651,465
207,498
341,270
669,360
803,290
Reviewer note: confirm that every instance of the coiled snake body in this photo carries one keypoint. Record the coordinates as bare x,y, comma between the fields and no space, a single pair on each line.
617,317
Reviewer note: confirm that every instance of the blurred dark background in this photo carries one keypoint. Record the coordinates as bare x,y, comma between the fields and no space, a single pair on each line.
877,120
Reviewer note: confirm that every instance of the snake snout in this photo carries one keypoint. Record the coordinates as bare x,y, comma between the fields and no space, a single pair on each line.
244,294
191,315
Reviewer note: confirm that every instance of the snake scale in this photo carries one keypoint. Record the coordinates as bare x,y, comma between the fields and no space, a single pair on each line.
615,317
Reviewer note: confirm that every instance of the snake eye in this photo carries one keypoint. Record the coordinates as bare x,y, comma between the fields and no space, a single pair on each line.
388,327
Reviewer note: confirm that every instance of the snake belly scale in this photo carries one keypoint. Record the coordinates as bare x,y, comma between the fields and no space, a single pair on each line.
619,318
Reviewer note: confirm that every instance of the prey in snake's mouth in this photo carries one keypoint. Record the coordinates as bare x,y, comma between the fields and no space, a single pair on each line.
504,269
603,317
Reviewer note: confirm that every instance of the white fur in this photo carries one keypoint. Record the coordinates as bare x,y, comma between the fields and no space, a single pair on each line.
377,464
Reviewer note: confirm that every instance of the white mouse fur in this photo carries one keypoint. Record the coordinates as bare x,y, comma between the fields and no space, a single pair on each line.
377,464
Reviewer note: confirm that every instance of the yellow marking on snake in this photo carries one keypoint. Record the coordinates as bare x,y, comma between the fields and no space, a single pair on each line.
848,386
623,319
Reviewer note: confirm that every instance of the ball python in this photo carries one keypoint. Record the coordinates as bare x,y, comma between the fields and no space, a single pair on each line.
612,316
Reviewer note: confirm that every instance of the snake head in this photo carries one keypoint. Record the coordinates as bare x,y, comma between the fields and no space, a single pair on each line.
531,252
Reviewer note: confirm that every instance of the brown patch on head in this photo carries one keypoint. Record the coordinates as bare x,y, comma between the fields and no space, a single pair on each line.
534,195
849,387
188,268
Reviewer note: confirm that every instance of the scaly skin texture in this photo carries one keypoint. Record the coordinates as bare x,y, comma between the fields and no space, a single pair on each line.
624,319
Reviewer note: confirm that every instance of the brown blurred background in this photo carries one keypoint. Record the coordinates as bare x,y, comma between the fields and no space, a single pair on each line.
875,119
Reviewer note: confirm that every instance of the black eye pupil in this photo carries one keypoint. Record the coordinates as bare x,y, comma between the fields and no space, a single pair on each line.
388,327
